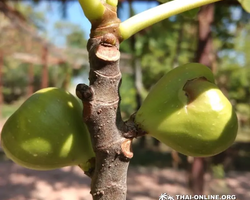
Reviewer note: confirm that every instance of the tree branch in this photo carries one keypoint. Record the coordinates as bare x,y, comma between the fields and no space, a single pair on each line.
101,101
102,116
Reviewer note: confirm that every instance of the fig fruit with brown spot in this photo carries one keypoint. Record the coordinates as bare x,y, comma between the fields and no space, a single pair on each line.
188,112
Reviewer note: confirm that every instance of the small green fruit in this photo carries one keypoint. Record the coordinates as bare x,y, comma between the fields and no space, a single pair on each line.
47,132
187,111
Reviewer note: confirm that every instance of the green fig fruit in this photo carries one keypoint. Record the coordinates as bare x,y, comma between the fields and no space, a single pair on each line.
186,111
47,132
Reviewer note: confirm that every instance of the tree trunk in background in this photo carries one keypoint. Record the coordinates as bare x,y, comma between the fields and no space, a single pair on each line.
30,88
204,56
45,71
204,52
1,82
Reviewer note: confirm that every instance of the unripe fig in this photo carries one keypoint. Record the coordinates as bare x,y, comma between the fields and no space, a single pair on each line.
47,132
186,111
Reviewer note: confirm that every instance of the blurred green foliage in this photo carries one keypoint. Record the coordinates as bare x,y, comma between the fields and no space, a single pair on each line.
159,48
218,171
127,92
15,71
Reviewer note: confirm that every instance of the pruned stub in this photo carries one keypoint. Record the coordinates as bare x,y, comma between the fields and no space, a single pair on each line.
127,148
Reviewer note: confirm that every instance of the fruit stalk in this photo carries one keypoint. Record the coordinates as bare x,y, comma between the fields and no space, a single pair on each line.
149,17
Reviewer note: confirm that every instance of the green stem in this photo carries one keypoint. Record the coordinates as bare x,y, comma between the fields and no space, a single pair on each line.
112,2
158,13
93,9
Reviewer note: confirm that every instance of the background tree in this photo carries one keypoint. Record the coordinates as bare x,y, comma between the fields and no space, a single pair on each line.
160,54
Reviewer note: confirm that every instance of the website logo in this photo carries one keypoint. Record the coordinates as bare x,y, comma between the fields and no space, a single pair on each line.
165,196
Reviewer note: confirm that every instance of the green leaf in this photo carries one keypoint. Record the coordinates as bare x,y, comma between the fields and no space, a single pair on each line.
191,13
112,2
245,4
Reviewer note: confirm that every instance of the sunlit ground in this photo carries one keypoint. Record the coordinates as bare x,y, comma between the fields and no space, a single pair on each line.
18,183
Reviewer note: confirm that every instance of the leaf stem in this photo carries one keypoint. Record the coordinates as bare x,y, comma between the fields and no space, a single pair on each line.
93,9
112,2
149,17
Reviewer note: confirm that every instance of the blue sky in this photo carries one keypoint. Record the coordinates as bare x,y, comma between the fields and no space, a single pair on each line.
75,15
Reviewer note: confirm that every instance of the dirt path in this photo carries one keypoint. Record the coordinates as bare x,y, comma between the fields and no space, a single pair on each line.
69,183
17,183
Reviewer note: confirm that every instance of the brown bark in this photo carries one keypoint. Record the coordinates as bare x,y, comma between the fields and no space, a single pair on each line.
203,56
102,115
45,71
1,81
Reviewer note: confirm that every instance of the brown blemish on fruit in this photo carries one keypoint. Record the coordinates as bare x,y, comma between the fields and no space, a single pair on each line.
189,87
